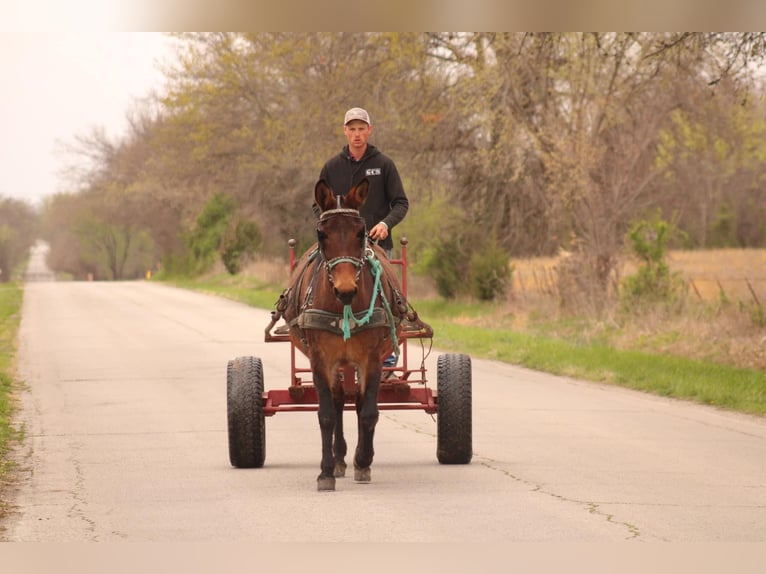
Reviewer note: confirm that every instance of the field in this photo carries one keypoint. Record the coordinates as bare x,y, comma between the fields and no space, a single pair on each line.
729,274
722,321
733,274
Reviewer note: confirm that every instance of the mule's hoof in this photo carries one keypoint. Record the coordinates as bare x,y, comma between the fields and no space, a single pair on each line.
362,474
340,469
325,483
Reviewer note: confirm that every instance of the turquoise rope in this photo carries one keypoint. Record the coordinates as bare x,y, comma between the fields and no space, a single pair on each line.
348,314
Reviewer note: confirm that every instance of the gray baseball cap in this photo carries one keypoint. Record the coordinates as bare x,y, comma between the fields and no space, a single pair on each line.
357,114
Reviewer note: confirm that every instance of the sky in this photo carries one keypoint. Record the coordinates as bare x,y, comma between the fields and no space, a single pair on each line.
58,85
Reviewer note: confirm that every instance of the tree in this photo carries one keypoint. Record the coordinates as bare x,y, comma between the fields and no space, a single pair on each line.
543,141
98,234
18,231
714,150
260,113
561,133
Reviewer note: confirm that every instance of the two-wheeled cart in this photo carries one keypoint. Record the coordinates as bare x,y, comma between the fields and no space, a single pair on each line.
403,387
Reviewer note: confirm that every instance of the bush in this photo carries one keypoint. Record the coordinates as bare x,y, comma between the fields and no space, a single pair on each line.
459,257
653,282
204,242
490,272
240,242
215,235
436,236
444,263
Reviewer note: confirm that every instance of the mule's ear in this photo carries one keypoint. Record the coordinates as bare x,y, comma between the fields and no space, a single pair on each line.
358,195
324,196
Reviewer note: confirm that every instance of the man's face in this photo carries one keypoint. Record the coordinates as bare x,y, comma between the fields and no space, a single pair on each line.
357,133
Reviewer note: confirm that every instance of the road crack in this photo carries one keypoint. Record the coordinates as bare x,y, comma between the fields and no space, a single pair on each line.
591,506
79,505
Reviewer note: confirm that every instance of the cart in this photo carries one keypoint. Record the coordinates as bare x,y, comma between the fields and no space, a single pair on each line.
404,387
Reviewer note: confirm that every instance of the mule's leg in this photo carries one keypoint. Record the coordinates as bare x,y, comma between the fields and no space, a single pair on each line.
339,444
326,478
367,418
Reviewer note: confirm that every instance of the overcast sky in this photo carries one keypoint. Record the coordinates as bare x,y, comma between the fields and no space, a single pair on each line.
56,85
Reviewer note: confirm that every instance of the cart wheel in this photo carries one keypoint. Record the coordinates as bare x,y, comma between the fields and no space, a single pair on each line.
453,419
244,402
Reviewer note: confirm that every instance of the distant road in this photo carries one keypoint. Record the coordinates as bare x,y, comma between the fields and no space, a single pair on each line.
125,419
37,269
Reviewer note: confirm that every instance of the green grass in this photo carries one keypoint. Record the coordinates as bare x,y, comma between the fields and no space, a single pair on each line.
252,293
704,382
11,295
701,381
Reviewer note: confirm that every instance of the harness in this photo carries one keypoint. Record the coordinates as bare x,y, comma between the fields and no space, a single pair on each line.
347,323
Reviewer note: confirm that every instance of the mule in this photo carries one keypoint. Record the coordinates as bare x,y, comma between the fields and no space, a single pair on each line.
344,311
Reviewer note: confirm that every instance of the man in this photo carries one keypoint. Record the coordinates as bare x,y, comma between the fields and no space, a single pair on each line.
387,203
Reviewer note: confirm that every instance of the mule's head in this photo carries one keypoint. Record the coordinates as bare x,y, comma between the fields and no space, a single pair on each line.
342,237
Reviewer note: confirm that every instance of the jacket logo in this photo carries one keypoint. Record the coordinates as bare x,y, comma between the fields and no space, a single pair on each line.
373,171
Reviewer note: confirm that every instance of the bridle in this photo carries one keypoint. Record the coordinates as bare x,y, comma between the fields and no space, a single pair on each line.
357,262
367,254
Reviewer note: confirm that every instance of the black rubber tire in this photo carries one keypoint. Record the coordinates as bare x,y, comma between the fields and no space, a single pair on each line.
244,409
454,441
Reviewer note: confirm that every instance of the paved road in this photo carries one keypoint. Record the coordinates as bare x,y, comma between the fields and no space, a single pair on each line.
126,422
37,268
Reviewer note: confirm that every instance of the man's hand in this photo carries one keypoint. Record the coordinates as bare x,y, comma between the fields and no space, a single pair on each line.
379,232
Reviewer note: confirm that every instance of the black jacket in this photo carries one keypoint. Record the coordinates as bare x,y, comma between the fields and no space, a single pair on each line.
386,199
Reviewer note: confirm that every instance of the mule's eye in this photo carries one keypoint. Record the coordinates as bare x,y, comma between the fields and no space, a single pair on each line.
361,234
321,235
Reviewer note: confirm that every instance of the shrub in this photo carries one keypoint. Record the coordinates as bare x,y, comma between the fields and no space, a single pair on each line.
490,272
240,242
446,265
204,241
653,281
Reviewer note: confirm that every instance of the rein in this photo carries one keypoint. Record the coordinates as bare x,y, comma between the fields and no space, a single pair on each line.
376,269
348,315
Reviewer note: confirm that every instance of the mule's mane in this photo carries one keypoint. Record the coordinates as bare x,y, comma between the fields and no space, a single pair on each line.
339,211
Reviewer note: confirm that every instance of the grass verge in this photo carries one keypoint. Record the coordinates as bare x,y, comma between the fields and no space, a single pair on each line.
702,381
671,376
251,292
11,295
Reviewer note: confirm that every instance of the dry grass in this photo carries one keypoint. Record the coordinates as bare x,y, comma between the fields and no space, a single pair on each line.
268,271
727,273
722,319
731,274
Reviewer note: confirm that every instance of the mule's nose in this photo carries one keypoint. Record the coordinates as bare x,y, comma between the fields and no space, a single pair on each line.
345,296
